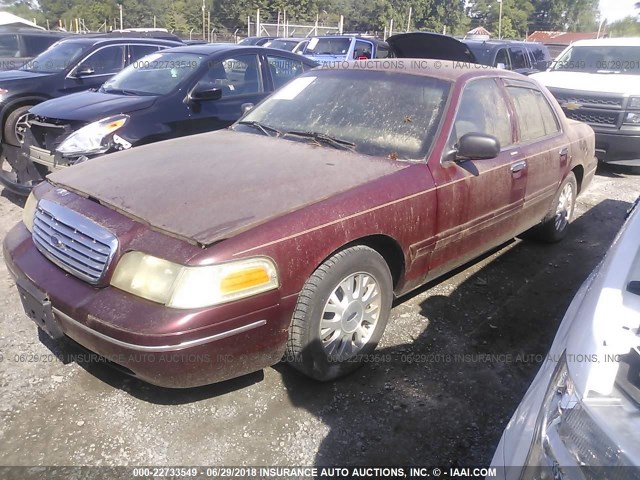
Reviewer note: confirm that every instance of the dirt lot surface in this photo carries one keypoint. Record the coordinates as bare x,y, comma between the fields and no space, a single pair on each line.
431,398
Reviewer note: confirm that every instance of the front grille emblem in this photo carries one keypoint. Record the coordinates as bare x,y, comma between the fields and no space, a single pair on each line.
56,242
572,106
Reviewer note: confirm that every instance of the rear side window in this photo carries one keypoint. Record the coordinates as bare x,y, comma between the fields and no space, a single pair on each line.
283,69
36,44
535,116
541,57
382,51
482,110
518,59
9,46
136,52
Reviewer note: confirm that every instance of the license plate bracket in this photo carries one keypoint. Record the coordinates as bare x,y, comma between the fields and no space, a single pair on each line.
37,306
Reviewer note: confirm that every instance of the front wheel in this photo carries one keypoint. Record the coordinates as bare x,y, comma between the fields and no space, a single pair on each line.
16,125
555,225
341,314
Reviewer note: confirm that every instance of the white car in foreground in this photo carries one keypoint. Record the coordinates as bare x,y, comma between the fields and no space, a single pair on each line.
583,407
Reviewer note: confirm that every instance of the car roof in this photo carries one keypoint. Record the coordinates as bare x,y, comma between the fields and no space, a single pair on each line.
359,37
96,39
497,43
612,42
215,48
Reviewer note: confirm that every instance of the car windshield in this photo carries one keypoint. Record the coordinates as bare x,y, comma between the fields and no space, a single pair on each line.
600,59
389,114
155,74
56,58
328,46
283,44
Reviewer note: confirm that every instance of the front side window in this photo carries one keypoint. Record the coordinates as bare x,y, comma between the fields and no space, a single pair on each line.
237,76
386,114
535,115
518,60
502,59
283,69
482,109
106,60
363,50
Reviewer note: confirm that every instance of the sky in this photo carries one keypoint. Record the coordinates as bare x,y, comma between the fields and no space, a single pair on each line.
614,10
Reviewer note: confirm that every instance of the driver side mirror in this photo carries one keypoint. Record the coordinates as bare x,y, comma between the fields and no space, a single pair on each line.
204,93
477,146
473,146
84,70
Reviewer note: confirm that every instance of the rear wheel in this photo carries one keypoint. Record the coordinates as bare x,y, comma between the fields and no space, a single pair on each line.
341,314
15,125
555,225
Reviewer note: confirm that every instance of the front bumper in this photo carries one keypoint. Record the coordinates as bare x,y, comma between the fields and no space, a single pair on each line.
148,340
618,149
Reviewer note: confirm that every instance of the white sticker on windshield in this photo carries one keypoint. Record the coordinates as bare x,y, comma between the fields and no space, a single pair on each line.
312,43
292,89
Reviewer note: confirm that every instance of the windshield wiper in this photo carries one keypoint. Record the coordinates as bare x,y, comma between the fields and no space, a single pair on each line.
266,129
119,91
323,138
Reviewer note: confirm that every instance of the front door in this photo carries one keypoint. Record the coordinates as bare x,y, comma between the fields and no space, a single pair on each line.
478,200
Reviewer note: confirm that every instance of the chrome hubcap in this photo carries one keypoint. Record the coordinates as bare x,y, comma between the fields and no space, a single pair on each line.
21,127
565,207
350,316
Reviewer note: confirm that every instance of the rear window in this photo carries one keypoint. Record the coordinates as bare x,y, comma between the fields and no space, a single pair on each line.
328,46
9,46
36,44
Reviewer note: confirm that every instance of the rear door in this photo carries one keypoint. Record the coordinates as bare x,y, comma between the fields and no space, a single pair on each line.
479,201
542,145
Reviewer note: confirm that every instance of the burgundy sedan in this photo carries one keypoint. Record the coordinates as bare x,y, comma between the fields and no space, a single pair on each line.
203,258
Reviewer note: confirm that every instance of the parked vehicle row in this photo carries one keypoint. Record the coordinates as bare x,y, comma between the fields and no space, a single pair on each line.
176,92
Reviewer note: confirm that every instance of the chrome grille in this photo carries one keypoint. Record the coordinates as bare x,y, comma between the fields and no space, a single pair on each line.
598,118
72,241
616,102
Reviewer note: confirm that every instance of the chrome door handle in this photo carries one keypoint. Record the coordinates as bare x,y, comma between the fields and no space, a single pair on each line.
564,152
518,166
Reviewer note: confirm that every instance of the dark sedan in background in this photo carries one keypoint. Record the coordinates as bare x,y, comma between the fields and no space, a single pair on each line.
203,258
176,92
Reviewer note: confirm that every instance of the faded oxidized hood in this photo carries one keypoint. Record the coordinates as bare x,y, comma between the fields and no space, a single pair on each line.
430,45
209,187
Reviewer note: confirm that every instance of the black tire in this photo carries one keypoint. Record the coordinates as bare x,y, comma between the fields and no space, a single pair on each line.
554,227
307,350
10,125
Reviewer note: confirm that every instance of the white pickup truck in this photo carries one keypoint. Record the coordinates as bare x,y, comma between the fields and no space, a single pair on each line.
598,82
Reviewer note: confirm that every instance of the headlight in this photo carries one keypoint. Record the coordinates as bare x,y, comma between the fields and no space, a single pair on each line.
567,436
632,118
634,102
178,286
89,139
29,211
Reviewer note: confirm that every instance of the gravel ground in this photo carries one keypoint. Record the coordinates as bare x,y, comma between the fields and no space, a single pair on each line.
453,364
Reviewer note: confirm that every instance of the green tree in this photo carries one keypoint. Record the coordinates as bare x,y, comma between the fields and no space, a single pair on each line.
515,16
562,15
627,27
